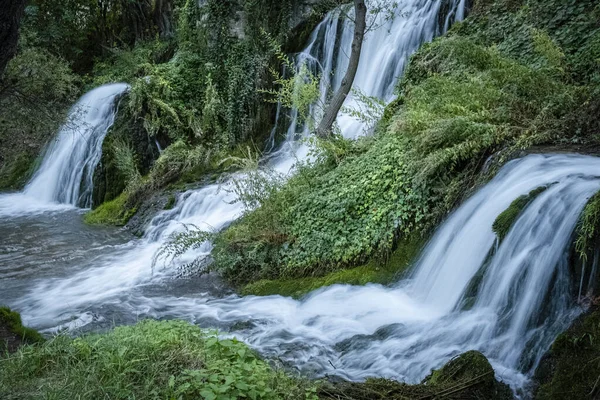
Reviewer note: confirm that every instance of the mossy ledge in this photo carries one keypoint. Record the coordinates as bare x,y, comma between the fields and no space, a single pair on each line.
507,218
375,271
13,333
571,369
468,376
114,212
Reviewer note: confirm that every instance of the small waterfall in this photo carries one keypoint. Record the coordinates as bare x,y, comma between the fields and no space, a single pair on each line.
65,175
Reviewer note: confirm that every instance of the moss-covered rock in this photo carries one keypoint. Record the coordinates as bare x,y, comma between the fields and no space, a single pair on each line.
507,218
468,376
375,271
114,212
571,369
13,333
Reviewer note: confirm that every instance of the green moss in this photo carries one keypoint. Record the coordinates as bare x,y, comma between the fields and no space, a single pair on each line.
12,320
114,212
374,271
170,202
14,174
468,376
506,219
150,360
588,228
572,367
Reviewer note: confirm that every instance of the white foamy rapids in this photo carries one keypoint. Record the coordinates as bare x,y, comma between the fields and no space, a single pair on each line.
65,175
509,303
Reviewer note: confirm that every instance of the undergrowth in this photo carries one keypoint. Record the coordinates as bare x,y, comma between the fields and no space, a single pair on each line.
150,360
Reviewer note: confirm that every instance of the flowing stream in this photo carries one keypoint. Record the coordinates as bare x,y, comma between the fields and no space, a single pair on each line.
466,291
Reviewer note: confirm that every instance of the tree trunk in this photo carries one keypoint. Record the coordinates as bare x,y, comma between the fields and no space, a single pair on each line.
360,24
10,18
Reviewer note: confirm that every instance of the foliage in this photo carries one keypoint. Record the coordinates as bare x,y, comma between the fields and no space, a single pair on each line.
202,94
150,360
179,243
35,94
588,228
82,30
507,218
375,271
477,91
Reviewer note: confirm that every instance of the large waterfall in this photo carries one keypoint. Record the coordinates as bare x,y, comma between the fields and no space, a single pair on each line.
467,291
65,174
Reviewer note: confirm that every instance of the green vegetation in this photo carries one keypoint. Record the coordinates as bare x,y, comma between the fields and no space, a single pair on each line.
505,79
588,232
201,95
11,327
150,360
468,376
375,271
572,367
507,218
35,93
114,212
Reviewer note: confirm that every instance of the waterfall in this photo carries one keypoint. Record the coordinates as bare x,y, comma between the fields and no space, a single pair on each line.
522,298
508,299
65,174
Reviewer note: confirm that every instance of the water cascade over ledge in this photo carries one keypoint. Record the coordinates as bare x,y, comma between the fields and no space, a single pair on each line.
65,174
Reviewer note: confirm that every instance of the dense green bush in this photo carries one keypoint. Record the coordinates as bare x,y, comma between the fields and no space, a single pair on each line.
150,360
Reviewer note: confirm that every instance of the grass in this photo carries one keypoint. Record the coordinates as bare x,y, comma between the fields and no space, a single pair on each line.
113,212
373,272
150,360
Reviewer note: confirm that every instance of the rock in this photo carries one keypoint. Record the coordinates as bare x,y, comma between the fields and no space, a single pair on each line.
571,369
12,332
468,376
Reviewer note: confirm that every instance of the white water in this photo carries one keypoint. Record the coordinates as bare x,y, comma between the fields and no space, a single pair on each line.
399,332
523,297
64,177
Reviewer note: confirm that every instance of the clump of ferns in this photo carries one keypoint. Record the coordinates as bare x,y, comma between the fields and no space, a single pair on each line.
180,243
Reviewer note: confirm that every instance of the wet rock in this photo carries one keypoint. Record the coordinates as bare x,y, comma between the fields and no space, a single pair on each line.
12,332
468,376
571,369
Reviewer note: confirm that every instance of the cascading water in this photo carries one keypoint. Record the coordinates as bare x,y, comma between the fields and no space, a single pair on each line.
65,174
509,303
402,331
